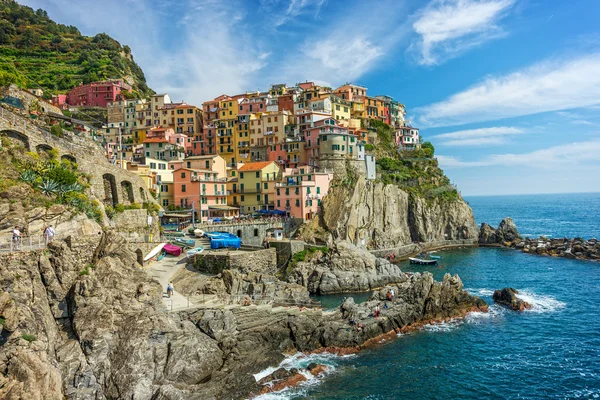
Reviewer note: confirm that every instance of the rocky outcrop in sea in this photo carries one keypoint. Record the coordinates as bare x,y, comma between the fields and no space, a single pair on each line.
507,235
508,297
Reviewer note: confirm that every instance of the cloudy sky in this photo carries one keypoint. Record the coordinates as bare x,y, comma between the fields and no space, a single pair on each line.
507,90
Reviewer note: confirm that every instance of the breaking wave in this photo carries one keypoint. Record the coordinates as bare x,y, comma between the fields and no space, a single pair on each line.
540,303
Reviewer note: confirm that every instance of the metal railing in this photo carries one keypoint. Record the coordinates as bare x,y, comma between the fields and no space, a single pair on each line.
8,244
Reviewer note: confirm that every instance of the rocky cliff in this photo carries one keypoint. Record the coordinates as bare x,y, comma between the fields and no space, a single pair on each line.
82,320
374,215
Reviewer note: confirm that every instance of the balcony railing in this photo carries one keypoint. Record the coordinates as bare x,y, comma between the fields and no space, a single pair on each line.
253,190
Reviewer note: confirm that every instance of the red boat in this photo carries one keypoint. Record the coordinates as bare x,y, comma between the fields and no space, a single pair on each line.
172,249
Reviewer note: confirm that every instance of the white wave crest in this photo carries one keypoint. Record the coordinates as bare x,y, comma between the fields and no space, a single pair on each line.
540,303
480,292
300,361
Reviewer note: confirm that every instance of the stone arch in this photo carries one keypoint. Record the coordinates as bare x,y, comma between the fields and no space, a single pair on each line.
68,157
127,192
111,196
43,148
143,194
239,233
16,135
139,254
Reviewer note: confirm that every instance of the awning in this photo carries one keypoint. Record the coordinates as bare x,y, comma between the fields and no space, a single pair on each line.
223,208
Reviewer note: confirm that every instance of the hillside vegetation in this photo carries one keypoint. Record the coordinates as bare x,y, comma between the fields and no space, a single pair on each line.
414,171
37,52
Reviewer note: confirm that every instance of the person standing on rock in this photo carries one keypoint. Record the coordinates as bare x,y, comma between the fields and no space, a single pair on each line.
17,238
377,311
49,233
170,289
392,294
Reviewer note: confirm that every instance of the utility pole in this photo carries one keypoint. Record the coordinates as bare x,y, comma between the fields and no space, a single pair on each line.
193,216
121,146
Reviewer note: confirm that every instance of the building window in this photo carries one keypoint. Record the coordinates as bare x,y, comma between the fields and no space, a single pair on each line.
165,202
183,174
258,174
255,232
258,198
241,175
297,202
183,188
266,185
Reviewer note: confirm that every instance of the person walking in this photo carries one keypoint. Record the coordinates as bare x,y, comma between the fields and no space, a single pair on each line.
16,237
170,289
49,233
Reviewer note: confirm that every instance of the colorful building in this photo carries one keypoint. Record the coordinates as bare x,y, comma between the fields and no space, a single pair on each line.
256,185
407,138
97,94
203,191
300,192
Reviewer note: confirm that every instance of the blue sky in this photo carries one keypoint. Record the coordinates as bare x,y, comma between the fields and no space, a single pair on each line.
507,90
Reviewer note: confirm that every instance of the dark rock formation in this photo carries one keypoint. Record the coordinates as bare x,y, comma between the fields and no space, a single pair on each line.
508,297
506,233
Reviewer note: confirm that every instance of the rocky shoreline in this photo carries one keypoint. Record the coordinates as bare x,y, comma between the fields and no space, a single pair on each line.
82,320
508,236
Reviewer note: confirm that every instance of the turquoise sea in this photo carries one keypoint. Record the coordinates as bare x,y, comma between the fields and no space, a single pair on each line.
549,352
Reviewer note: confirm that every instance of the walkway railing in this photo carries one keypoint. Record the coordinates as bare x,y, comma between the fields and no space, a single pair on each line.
24,243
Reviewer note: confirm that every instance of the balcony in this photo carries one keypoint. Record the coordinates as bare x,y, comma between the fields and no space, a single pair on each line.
254,190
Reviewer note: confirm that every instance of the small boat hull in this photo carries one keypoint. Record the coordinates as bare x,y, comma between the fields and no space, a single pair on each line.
195,251
421,261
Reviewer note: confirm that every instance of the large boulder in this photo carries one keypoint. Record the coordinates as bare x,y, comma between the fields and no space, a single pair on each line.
506,234
508,297
507,231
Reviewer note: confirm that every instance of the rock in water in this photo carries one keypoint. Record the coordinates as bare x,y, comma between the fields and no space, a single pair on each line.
487,234
508,297
507,231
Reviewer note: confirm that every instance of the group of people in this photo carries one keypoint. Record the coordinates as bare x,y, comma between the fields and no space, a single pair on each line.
17,235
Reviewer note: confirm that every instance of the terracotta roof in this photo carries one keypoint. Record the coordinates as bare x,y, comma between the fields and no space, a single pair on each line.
255,166
155,140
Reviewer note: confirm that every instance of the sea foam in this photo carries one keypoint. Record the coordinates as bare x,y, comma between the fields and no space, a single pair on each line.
540,303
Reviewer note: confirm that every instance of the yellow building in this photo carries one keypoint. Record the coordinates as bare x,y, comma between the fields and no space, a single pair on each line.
256,186
143,171
340,109
226,125
242,139
273,127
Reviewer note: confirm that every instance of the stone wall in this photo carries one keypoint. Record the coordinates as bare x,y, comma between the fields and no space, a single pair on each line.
252,234
109,183
28,99
411,249
134,223
286,249
259,261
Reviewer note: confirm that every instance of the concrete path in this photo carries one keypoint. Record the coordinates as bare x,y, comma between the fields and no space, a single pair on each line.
163,271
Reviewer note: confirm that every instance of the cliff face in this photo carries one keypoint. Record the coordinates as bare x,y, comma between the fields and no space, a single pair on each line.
375,215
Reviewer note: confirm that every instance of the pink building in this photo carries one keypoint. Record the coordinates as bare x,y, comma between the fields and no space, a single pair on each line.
251,105
311,135
407,138
59,100
205,190
300,192
97,94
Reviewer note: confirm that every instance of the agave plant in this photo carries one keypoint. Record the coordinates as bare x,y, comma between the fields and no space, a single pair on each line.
28,176
49,187
74,187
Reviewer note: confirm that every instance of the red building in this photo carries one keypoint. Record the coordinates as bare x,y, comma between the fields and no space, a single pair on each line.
97,94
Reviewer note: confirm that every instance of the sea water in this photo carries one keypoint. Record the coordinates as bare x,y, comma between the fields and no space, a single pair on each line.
550,351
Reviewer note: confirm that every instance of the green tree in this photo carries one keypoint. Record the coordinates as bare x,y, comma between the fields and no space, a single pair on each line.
7,31
429,149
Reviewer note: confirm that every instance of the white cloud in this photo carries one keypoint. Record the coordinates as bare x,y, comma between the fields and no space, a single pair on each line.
477,137
295,8
450,27
556,157
548,86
